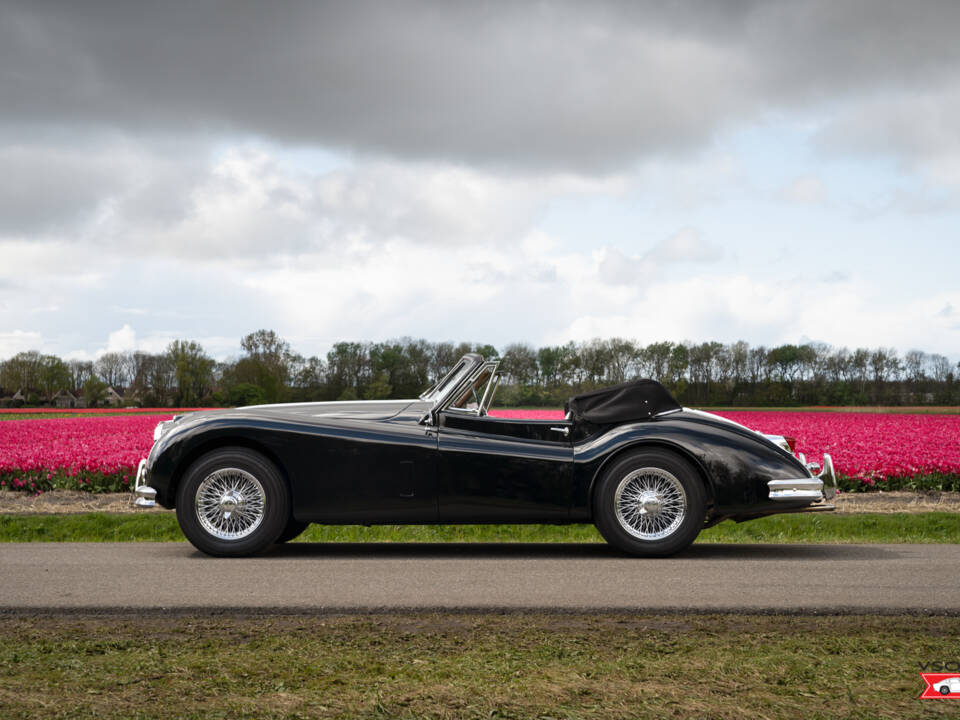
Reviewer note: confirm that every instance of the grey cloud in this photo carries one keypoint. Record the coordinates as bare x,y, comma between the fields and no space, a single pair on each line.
43,188
556,85
53,187
923,129
244,205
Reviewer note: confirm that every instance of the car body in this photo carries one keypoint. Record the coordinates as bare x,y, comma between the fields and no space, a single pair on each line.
441,458
948,686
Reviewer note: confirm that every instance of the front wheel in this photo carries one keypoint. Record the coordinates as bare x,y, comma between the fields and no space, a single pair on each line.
944,690
232,502
650,503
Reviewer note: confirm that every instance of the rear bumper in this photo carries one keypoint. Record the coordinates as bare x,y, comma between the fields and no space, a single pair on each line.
815,488
146,496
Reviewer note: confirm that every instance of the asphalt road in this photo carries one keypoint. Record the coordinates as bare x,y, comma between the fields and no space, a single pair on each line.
399,577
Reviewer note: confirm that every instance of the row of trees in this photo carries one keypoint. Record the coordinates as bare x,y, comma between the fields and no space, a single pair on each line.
708,373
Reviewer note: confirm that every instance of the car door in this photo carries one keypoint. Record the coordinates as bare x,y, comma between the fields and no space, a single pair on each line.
491,470
367,473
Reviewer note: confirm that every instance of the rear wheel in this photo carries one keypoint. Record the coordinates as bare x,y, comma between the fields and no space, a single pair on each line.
650,503
232,502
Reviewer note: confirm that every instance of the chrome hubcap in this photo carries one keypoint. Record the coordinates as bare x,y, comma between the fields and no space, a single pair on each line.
651,503
230,503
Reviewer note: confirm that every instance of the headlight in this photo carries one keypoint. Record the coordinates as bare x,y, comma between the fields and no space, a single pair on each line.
160,429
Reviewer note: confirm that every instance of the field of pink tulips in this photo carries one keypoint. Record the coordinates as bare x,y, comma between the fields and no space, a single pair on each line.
92,411
98,452
87,452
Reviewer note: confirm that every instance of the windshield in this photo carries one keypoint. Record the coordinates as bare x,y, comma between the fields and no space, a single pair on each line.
475,396
471,397
453,378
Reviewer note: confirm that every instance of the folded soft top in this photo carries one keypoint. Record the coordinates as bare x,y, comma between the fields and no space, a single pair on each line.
630,401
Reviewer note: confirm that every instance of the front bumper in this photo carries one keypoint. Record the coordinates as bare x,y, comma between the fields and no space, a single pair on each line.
146,496
815,488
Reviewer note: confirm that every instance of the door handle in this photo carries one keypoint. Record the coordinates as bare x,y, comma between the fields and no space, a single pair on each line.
565,431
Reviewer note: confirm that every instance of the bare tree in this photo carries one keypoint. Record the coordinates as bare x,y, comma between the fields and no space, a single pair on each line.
80,372
915,365
113,368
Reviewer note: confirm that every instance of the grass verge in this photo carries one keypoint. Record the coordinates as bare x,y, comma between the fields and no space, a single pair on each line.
470,666
928,527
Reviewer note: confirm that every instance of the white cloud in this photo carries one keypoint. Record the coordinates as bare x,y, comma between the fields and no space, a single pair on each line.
805,190
685,246
122,340
17,341
370,249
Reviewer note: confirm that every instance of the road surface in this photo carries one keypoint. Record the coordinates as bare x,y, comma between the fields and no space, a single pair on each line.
552,577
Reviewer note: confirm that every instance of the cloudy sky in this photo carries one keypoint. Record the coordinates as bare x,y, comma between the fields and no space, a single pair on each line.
773,172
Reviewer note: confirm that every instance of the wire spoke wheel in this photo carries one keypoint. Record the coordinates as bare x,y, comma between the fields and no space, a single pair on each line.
650,503
230,503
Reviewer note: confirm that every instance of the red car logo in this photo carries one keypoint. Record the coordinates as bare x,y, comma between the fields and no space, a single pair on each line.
941,685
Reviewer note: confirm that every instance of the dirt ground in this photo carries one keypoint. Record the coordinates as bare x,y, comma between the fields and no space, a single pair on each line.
74,501
66,501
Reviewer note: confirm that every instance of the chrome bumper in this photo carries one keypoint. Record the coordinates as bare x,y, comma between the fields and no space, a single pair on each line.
146,495
815,488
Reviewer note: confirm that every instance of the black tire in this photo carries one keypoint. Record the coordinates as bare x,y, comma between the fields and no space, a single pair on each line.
944,690
267,498
641,535
291,531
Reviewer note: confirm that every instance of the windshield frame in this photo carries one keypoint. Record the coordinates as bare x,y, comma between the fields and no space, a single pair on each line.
444,386
452,386
489,387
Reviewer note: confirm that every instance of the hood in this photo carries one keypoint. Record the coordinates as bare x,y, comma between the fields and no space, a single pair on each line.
351,409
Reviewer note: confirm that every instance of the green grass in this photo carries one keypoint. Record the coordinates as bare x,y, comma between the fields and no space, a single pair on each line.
930,527
470,666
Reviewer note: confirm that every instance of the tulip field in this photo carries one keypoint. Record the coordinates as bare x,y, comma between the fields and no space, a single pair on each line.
87,452
99,451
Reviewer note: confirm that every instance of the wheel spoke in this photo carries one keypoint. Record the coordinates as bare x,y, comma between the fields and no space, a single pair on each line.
230,503
650,503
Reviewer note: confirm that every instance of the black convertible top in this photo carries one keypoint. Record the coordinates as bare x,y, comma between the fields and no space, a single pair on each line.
634,400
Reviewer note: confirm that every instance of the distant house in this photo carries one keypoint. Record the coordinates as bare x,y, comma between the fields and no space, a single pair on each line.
112,397
65,399
19,396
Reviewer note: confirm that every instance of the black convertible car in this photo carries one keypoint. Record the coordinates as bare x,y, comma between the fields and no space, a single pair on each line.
649,473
